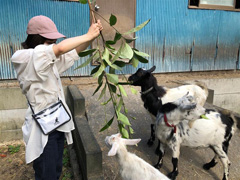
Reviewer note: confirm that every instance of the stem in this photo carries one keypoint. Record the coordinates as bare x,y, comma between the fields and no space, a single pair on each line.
105,20
94,21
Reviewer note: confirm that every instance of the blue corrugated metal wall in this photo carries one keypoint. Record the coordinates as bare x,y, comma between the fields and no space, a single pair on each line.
177,38
71,18
182,39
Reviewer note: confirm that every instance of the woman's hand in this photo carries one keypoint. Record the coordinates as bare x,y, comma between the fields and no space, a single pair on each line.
94,30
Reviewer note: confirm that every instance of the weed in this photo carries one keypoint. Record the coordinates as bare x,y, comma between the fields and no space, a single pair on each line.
13,149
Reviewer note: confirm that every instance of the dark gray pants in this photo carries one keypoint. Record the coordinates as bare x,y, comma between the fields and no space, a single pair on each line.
49,165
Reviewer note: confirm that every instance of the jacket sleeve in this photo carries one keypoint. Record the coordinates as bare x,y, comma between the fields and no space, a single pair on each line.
66,61
43,60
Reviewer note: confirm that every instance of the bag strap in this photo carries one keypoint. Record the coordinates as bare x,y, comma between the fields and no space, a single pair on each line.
31,105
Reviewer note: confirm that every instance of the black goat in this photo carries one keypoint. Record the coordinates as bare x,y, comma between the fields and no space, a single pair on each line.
153,96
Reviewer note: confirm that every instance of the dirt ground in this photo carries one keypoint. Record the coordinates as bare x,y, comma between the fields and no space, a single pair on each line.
13,167
191,160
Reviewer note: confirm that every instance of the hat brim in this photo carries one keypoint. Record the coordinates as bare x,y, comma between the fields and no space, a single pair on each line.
53,35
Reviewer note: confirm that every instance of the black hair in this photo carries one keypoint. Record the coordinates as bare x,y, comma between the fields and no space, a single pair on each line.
34,40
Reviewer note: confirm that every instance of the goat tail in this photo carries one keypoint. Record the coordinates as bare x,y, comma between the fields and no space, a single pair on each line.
202,85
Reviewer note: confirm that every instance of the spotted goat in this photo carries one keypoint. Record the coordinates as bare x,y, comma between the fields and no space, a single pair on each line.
179,124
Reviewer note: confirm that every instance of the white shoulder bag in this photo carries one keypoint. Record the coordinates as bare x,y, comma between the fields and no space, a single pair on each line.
51,118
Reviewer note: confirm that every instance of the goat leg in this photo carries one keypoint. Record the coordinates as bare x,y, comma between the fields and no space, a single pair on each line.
172,175
176,152
161,150
157,151
152,137
211,164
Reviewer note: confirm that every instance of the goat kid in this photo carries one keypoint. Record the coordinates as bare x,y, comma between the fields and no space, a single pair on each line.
132,167
153,96
214,132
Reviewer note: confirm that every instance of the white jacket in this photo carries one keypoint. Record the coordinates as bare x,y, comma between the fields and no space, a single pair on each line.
38,72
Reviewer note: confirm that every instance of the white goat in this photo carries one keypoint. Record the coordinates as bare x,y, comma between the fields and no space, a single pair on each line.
132,167
153,96
214,131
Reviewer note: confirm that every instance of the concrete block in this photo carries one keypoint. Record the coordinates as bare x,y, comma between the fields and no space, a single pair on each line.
87,150
210,97
10,135
12,98
75,101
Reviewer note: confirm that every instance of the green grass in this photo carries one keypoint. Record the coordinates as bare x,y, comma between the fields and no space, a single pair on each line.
66,174
13,149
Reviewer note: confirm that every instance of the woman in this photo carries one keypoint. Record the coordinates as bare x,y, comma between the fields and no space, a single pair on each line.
38,67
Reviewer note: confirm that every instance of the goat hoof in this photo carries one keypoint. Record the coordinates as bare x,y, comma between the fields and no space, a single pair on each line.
158,166
173,175
150,143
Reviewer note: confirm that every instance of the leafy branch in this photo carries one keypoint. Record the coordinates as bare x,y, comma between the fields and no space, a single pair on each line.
109,60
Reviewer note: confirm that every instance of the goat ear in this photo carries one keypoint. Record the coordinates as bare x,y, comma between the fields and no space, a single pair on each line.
113,150
131,141
152,69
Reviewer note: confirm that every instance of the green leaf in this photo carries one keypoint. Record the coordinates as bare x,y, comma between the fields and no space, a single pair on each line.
110,42
96,90
126,51
111,70
134,61
83,1
108,45
100,78
139,27
112,20
103,92
122,90
119,107
100,70
125,133
95,70
86,52
125,110
134,91
117,37
113,78
120,63
105,56
107,125
130,40
117,55
121,117
112,88
141,53
86,62
131,130
140,58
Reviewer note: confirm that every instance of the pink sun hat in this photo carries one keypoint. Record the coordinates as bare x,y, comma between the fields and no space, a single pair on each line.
43,26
